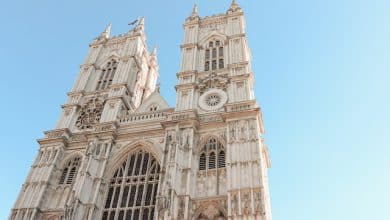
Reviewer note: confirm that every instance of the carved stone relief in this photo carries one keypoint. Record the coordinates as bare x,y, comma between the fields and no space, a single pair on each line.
90,114
243,131
213,81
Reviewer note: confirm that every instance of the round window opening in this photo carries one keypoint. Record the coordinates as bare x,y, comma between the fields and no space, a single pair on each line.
212,100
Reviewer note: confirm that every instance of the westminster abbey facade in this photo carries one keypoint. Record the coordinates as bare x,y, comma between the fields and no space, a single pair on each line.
120,152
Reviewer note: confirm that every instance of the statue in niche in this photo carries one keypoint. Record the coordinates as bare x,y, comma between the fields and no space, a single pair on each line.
69,208
258,205
185,139
243,131
235,205
252,131
232,132
246,205
172,151
181,209
92,146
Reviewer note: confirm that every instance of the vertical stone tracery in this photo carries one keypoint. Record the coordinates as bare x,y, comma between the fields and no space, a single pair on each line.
133,188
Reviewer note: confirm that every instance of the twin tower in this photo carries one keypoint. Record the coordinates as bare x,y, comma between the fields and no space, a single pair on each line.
119,152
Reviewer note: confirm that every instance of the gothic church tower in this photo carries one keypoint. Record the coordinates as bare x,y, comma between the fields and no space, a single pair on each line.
120,152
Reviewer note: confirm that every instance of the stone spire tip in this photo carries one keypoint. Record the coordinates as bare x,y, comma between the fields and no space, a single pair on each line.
195,8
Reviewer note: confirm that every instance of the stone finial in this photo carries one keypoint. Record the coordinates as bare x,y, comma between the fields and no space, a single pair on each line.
153,56
195,9
141,21
154,52
157,89
106,33
140,26
194,13
234,7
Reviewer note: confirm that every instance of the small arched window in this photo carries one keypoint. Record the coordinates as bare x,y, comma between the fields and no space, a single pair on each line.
153,108
202,161
69,172
212,155
221,159
214,56
107,75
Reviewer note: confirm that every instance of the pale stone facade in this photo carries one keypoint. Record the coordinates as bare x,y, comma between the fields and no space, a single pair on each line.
120,152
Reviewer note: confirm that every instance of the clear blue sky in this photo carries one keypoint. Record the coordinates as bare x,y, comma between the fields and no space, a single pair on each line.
322,78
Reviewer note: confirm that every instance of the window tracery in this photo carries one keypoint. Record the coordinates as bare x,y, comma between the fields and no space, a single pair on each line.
133,189
69,172
212,155
214,56
107,75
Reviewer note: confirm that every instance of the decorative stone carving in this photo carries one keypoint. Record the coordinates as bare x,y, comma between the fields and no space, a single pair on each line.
235,209
212,209
233,131
243,131
258,203
246,204
213,81
182,208
90,114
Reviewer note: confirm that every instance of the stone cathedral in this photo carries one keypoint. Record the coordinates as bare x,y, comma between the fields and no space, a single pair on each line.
119,152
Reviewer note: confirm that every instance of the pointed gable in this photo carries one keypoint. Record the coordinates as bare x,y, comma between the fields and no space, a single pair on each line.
154,102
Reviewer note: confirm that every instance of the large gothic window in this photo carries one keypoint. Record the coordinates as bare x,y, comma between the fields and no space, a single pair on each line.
69,172
212,155
214,58
133,189
107,75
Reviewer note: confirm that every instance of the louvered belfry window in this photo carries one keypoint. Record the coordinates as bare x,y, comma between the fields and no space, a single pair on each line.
107,75
69,172
214,58
133,188
212,155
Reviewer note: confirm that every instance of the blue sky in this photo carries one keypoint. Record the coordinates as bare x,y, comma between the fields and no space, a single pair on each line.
322,79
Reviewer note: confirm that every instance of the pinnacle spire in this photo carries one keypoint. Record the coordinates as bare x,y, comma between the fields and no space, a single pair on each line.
140,26
141,21
195,8
106,33
234,6
154,52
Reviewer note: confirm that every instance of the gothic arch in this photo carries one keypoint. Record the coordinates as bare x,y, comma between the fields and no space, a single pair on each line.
213,35
69,169
210,210
206,138
69,157
117,159
133,186
113,56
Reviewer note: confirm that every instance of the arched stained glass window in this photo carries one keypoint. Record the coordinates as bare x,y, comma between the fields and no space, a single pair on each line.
214,56
212,155
133,189
69,172
107,75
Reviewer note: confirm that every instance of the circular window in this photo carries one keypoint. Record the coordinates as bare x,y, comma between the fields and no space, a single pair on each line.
213,99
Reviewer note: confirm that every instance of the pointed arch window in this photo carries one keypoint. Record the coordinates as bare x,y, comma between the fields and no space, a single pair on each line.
69,173
107,75
212,155
214,56
133,188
